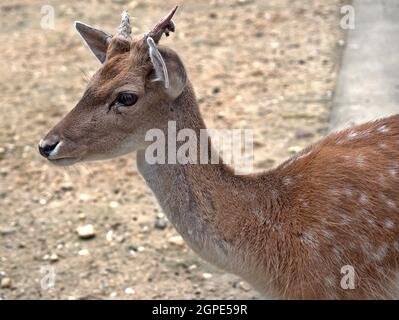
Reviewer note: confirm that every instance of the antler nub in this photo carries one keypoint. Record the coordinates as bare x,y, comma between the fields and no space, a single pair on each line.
164,26
124,30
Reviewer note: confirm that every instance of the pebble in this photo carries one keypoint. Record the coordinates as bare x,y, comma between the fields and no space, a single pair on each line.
244,286
54,257
113,294
206,276
5,283
114,204
67,186
83,252
192,267
160,223
86,232
176,240
130,291
4,231
84,197
109,235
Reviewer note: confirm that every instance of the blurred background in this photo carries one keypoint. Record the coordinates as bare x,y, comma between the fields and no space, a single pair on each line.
267,65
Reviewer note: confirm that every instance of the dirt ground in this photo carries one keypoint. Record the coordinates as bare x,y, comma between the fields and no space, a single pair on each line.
268,65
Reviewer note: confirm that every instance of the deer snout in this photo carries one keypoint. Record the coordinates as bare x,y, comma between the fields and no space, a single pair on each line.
49,146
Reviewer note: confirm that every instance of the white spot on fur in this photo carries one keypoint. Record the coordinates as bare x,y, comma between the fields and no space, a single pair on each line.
381,252
383,129
348,192
360,160
352,135
327,234
363,199
330,281
391,204
389,224
309,239
287,181
392,172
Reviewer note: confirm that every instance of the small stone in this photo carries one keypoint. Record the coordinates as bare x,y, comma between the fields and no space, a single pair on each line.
176,240
4,231
84,197
140,249
109,235
114,204
160,223
5,283
83,252
215,90
160,215
67,186
244,286
43,202
130,291
113,294
82,216
274,45
206,276
192,267
86,232
213,15
341,42
54,257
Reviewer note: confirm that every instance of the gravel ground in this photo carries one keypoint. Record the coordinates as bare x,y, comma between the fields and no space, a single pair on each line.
266,65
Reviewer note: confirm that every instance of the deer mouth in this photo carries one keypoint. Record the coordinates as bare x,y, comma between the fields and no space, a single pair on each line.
64,162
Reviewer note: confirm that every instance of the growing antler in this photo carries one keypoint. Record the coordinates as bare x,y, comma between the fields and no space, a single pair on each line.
124,30
166,25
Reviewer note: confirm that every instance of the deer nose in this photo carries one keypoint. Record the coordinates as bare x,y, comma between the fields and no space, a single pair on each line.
46,148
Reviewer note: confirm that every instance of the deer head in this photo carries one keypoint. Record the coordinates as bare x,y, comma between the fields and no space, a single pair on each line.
126,97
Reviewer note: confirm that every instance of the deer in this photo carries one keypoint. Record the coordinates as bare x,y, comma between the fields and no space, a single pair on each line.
324,224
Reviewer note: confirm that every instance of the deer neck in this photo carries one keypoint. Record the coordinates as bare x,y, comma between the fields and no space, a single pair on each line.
206,203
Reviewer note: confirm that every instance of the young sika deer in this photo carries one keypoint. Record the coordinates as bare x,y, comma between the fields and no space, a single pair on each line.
290,231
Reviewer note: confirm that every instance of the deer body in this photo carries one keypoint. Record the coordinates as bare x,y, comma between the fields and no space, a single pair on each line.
288,231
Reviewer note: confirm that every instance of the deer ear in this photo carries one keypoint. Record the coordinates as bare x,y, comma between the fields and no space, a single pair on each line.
95,39
168,69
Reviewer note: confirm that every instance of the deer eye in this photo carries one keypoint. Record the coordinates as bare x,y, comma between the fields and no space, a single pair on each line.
126,99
